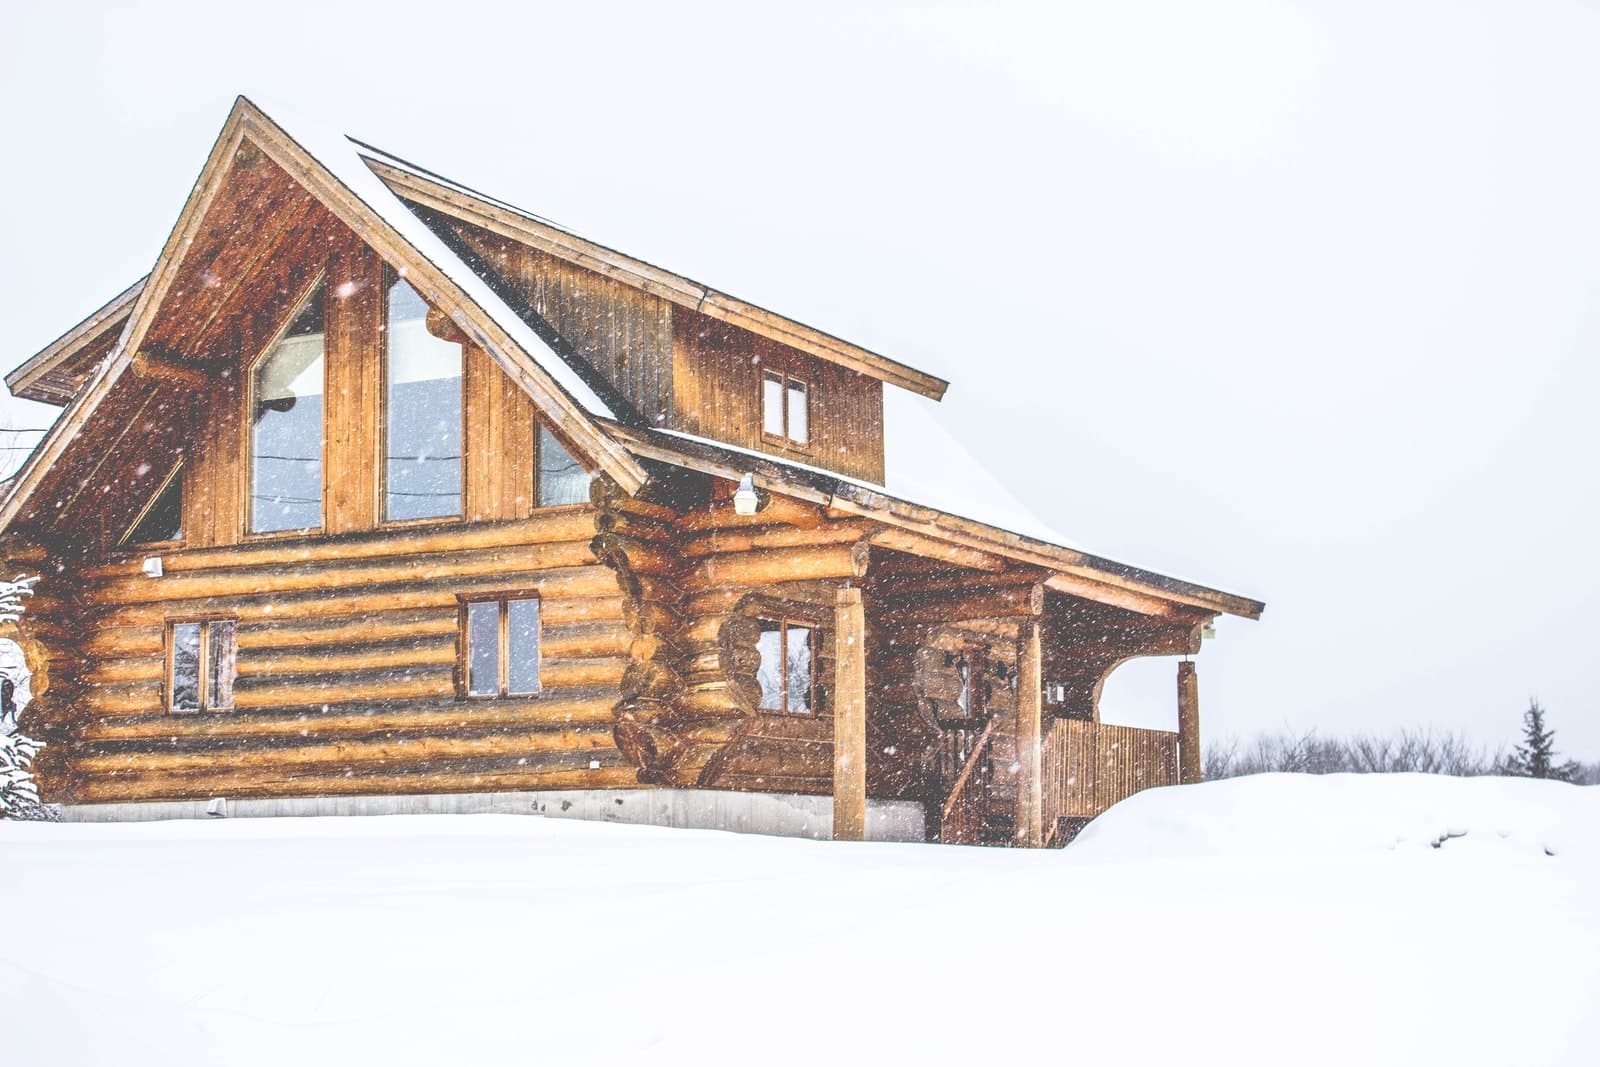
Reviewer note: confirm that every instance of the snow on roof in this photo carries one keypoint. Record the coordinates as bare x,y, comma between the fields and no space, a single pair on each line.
926,464
343,156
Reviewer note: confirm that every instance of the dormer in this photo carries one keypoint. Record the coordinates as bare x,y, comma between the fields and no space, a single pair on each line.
667,352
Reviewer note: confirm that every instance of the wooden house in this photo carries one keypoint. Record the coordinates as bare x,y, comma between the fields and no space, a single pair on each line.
376,486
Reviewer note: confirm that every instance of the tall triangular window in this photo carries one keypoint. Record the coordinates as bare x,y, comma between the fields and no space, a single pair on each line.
162,518
286,389
422,409
562,479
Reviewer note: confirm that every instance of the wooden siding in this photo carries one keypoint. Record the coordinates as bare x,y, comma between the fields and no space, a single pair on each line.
1090,766
624,334
717,378
346,668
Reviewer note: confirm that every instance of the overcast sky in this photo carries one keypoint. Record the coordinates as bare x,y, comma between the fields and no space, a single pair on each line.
1293,300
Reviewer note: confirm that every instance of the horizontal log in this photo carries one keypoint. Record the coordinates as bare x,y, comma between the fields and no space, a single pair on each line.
763,537
302,577
548,526
1025,601
767,566
933,548
244,757
612,774
570,594
593,705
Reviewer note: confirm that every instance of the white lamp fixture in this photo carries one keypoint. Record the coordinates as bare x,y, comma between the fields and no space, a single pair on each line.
744,498
152,567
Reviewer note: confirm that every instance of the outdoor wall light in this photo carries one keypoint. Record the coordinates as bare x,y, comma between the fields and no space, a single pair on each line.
151,567
745,501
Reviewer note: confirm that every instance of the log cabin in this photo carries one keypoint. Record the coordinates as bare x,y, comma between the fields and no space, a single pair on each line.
378,488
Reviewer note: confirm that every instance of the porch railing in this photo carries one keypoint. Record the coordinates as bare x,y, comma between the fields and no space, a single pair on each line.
1089,766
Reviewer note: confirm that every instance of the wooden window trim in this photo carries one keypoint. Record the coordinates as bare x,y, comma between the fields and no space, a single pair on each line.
381,505
126,543
784,622
784,441
169,652
246,425
463,682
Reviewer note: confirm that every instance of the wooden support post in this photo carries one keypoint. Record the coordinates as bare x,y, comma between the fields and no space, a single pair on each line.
1030,702
1189,759
849,717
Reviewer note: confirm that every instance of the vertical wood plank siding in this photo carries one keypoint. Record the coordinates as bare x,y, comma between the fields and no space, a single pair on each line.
1090,766
717,374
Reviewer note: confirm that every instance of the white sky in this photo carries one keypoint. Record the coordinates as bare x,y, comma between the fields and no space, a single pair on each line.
1293,300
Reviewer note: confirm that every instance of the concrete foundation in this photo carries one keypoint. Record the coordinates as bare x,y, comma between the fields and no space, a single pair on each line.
775,814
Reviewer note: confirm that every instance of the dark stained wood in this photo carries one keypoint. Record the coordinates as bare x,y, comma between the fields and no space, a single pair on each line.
1190,760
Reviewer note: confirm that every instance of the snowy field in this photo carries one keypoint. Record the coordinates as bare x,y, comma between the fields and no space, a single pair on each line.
1278,919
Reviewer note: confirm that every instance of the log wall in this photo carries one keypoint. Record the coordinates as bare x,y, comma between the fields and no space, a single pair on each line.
347,659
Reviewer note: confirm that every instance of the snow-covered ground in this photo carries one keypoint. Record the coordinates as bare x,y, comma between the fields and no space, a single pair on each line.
1278,919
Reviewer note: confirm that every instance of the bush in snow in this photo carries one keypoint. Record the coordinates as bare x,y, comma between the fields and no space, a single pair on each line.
1419,751
19,793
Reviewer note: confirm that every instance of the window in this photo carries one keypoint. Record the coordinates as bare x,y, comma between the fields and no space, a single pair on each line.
786,673
162,518
973,696
286,388
202,662
500,641
422,413
562,479
784,411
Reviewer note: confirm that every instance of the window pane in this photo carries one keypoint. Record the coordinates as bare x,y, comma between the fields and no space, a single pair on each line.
562,479
798,669
423,408
186,666
771,671
799,421
222,664
523,636
772,404
286,427
483,648
164,520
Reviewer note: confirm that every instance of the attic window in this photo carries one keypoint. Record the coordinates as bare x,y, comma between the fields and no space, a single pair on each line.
422,413
785,411
286,388
162,518
562,479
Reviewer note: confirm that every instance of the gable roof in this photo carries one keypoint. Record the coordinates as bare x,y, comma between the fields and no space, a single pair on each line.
331,168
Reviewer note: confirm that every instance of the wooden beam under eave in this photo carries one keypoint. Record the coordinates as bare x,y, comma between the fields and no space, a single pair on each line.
1005,602
1101,593
933,548
166,369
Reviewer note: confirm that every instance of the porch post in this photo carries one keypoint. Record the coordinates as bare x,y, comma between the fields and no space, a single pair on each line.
1190,768
1030,776
849,717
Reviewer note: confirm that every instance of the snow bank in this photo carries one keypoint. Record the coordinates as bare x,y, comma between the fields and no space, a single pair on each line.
1265,920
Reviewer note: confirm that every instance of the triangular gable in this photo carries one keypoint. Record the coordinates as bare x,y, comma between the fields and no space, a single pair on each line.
331,169
57,373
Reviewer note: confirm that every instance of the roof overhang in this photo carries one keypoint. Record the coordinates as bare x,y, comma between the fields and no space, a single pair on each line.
1069,571
55,374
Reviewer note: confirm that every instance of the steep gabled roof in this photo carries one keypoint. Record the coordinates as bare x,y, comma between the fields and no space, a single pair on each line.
331,168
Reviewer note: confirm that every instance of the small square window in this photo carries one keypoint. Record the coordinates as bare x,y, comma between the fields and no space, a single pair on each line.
500,647
202,663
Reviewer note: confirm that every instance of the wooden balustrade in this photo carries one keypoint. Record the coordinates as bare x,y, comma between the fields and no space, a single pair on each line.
1089,766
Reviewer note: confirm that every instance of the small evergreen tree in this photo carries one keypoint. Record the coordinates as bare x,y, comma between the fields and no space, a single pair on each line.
1535,757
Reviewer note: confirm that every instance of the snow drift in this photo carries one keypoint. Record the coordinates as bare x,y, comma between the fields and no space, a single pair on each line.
1267,920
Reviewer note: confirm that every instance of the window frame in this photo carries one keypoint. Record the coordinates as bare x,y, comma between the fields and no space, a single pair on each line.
784,621
537,472
786,381
126,541
463,672
204,681
247,424
381,505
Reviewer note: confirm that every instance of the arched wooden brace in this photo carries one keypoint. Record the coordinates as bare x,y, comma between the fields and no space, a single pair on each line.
1082,649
